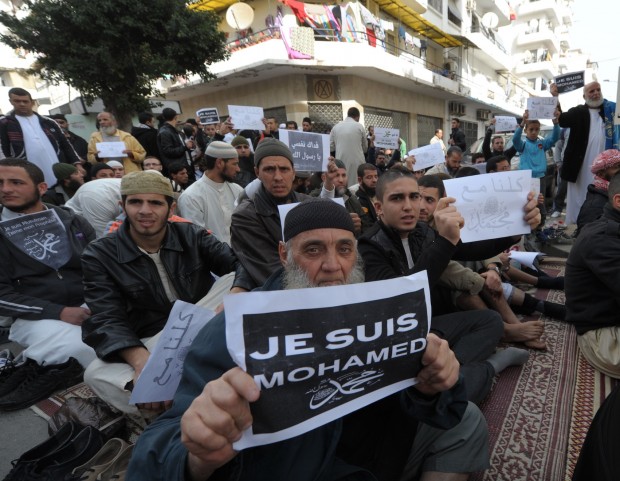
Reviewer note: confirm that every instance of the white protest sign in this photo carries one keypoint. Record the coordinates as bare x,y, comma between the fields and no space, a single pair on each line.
246,117
310,150
320,354
427,156
480,167
491,204
526,258
617,116
535,186
208,116
110,149
541,107
162,373
504,123
386,138
284,209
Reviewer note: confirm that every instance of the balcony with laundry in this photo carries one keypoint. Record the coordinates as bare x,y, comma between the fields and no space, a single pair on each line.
396,46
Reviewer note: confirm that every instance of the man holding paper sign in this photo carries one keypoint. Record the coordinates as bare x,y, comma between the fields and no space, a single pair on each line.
194,440
131,155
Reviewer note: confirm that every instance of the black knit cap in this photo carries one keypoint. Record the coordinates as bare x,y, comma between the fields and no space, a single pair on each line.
316,214
272,147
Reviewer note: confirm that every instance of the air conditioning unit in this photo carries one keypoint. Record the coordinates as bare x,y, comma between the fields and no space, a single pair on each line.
482,114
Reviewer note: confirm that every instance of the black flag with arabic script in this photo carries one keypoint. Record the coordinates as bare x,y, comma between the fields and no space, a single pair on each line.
41,236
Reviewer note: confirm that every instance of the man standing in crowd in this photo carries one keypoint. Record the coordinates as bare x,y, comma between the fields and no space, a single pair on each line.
438,138
592,132
24,134
173,147
42,293
78,143
210,201
255,224
457,136
132,278
592,286
133,154
348,143
427,430
146,133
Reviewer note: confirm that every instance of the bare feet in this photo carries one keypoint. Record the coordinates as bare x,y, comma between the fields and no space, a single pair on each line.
524,331
536,344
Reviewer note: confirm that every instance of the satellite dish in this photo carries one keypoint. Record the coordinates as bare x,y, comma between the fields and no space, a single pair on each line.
239,16
490,20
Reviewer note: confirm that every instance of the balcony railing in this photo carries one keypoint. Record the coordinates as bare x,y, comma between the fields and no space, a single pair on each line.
410,55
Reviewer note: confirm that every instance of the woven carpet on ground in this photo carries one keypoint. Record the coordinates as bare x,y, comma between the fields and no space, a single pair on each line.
538,414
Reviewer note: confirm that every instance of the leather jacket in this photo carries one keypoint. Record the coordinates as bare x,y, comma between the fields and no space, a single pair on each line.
124,290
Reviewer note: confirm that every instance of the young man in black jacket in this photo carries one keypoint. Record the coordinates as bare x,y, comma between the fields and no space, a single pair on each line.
40,287
133,277
399,245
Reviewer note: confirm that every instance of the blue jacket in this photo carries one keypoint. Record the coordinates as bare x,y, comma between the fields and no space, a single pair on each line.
533,151
159,453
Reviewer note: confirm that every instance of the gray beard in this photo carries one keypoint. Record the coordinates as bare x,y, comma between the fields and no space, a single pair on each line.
296,278
109,131
594,104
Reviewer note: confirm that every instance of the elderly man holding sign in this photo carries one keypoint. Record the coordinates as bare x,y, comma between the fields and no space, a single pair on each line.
428,430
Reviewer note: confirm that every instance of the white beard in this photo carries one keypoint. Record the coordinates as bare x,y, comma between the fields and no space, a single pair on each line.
109,131
296,278
594,104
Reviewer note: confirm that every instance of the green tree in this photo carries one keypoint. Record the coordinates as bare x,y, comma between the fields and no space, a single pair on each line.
115,49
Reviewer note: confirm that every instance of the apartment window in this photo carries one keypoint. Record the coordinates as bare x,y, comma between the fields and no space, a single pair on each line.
471,131
324,116
436,4
426,129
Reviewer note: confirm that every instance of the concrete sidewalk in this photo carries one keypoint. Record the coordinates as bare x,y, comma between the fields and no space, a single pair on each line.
21,430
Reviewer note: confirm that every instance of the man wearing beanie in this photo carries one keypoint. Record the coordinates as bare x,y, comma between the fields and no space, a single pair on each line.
212,404
101,170
132,278
173,146
255,225
246,161
210,201
70,179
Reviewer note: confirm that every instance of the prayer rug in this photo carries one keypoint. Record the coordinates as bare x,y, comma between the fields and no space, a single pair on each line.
538,414
50,406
